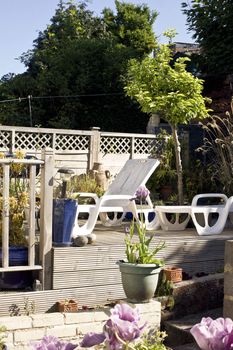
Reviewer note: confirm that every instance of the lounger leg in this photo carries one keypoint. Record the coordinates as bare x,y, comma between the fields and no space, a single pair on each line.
115,221
88,227
217,228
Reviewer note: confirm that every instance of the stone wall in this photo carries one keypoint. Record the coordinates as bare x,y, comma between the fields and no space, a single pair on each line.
67,326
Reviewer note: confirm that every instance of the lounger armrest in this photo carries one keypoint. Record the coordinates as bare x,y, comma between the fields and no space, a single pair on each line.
86,195
117,196
208,195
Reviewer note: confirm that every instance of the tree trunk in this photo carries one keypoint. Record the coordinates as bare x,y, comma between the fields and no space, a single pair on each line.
179,168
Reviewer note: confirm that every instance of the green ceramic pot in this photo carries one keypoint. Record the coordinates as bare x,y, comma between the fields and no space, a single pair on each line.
139,281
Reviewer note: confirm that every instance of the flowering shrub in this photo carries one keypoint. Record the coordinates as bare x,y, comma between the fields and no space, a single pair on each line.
214,334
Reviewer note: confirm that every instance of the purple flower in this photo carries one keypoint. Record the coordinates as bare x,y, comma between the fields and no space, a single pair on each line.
228,341
122,324
121,327
91,339
142,193
52,343
214,334
126,312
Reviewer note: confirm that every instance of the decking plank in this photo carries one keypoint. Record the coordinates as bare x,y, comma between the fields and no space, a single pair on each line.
86,278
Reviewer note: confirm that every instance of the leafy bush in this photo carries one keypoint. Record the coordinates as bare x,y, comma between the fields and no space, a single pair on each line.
218,149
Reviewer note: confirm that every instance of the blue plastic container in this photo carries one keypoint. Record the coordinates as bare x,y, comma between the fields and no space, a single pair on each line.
18,256
64,213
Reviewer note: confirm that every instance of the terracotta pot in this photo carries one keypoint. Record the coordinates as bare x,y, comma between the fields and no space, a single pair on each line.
67,306
173,274
165,192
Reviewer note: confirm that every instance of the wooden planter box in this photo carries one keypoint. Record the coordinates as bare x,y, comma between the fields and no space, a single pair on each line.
173,274
67,306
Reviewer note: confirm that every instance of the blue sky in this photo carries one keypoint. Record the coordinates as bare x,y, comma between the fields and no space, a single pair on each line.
21,20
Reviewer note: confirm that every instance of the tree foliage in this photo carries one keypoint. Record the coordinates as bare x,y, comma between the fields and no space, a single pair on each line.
211,21
169,90
132,26
74,70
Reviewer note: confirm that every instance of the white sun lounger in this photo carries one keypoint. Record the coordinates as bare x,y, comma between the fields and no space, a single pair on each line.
173,217
208,219
118,198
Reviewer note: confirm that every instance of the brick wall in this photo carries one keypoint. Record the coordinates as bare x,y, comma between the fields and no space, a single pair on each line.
67,326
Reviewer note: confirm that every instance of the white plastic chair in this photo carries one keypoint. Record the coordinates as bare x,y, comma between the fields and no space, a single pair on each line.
167,213
117,200
210,219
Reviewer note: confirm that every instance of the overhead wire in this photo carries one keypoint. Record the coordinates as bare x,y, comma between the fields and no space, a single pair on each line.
19,99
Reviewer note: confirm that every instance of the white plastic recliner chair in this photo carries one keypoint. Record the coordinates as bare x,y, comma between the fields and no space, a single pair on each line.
210,219
118,199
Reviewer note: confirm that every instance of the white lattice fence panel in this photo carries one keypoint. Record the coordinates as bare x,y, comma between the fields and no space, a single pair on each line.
114,145
24,140
147,146
5,139
72,142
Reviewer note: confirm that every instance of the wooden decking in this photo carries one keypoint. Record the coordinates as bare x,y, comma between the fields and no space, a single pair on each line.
90,273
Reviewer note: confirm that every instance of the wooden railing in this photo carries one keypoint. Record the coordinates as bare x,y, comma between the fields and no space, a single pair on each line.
80,149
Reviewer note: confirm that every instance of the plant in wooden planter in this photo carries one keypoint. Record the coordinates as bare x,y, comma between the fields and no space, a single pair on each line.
18,200
67,305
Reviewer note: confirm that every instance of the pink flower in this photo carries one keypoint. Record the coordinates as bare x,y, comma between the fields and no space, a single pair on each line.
214,334
50,342
142,193
121,327
91,339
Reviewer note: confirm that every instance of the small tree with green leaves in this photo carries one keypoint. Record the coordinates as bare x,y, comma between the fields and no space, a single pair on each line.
161,86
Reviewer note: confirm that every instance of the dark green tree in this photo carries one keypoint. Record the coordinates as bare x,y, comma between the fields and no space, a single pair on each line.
131,26
76,66
211,21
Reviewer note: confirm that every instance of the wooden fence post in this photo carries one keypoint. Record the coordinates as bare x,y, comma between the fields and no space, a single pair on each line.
12,145
94,147
132,147
46,217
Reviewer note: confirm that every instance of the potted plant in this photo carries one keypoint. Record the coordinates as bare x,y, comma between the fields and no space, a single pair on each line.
139,273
